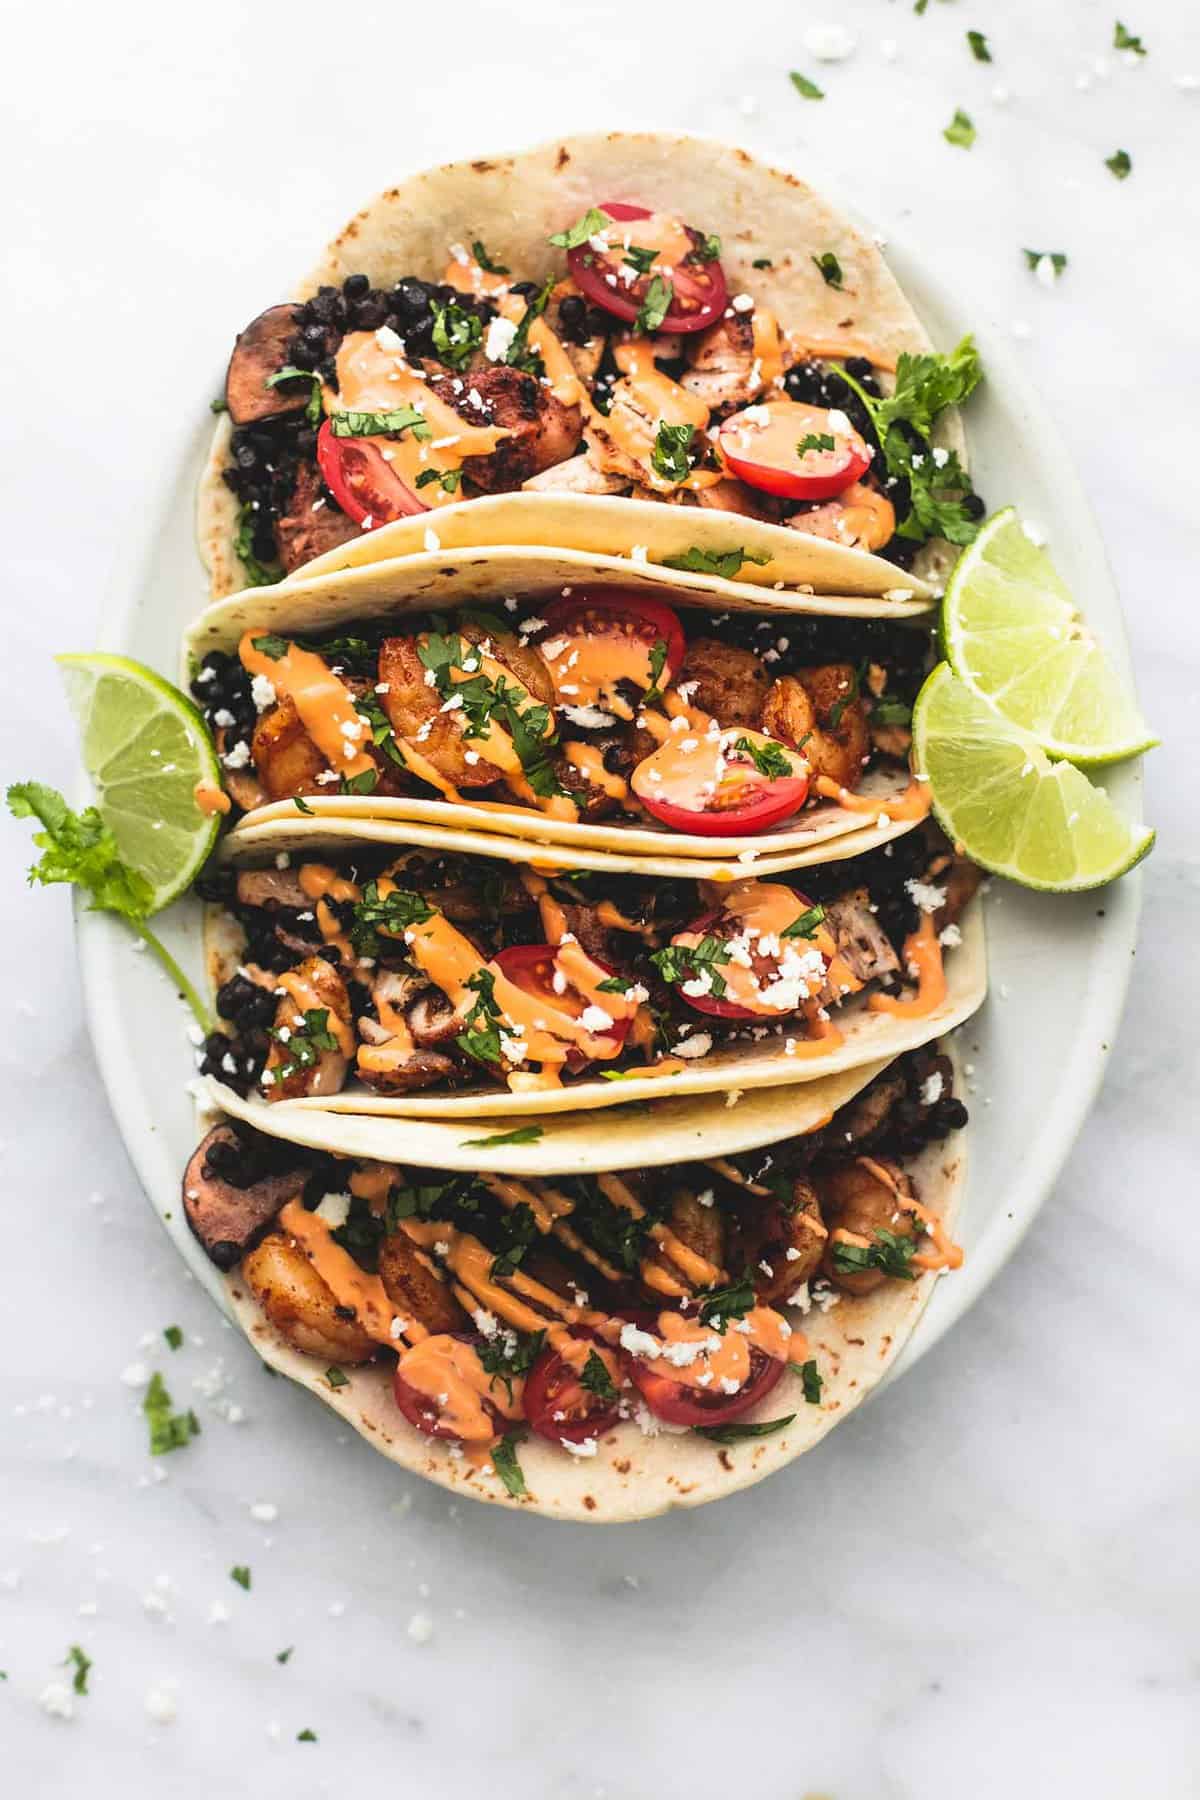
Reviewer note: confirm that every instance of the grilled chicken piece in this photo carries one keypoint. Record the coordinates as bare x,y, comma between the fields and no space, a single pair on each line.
432,1019
595,939
414,711
229,1219
421,1068
578,475
328,1073
312,524
543,430
823,706
414,1289
861,517
272,888
260,351
301,1305
854,1199
286,758
731,683
862,943
722,368
731,496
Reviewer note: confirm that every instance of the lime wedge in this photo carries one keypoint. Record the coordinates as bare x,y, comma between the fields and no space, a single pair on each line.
146,748
998,794
1011,631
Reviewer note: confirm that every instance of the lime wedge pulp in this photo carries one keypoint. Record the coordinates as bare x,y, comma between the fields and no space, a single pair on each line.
146,748
1012,633
1013,810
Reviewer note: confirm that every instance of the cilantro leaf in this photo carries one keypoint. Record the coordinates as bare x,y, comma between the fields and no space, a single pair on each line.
595,1377
518,1231
307,1736
504,1461
640,258
811,1377
82,1664
449,479
241,1574
80,850
1058,259
395,420
706,251
890,1252
926,383
168,1430
509,1354
337,1378
806,925
1126,40
669,457
479,252
725,563
312,406
457,333
808,90
524,1134
173,1336
258,574
304,1043
392,914
592,222
481,1037
734,1301
979,46
816,440
735,1432
769,759
960,131
890,711
1119,164
831,269
677,963
658,662
656,304
518,355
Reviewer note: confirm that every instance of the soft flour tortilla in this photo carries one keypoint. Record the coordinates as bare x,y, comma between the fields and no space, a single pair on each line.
424,583
515,203
634,1476
866,1036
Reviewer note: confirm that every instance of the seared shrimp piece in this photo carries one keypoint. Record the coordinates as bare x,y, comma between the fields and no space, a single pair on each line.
413,1288
542,431
780,1243
414,711
699,1227
301,1305
861,517
287,760
324,991
823,706
854,1199
730,683
524,661
723,370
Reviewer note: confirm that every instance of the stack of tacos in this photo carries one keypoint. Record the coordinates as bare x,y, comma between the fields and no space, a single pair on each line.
573,535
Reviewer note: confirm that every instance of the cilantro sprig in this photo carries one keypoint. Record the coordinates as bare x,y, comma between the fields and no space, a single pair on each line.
168,1430
677,963
656,304
392,422
890,1253
80,850
669,457
457,333
734,1301
725,563
768,758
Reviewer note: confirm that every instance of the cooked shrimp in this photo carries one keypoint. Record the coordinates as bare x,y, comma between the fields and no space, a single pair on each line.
287,759
300,1304
414,710
730,683
413,1288
856,1200
822,705
323,990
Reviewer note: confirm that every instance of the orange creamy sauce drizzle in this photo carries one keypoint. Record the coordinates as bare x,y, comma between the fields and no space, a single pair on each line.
946,1254
323,701
913,803
654,400
726,1355
305,997
372,378
768,346
776,440
922,952
587,668
210,798
350,1285
766,908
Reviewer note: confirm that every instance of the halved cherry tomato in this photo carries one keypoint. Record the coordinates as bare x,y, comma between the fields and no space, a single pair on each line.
762,445
423,1411
724,924
681,1404
365,486
531,968
559,1407
611,638
756,802
699,287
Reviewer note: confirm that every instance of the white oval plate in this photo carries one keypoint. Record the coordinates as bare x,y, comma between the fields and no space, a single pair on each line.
1059,965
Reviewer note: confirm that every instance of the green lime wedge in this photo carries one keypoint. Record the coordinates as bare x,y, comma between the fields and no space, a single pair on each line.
146,748
998,794
1011,631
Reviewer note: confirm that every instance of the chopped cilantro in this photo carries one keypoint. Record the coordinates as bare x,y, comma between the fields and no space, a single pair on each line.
658,662
806,925
258,574
510,1354
79,849
639,258
706,251
1119,164
504,1461
592,222
808,90
394,420
831,269
762,262
669,457
82,1663
656,304
173,1336
481,1038
241,1574
518,355
304,1044
391,914
301,805
677,963
722,1304
1126,40
890,1252
595,1377
271,645
168,1430
219,405
768,758
816,440
457,333
518,1231
734,1433
725,563
448,479
337,1378
979,46
1058,259
312,406
284,1656
480,253
366,783
306,1736
960,130
524,1134
889,711
810,1375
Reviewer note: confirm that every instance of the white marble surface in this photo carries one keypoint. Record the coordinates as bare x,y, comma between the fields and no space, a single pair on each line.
987,1583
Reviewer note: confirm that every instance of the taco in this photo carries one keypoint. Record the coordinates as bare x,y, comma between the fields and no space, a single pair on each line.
643,318
437,984
595,1346
591,715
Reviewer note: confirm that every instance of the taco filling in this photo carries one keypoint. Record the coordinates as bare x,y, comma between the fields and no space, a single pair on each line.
629,369
599,704
568,1306
439,972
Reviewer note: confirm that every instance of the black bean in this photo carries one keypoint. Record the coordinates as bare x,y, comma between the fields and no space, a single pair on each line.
355,286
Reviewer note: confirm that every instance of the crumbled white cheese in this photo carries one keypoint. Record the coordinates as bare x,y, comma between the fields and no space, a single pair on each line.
698,1045
262,692
498,342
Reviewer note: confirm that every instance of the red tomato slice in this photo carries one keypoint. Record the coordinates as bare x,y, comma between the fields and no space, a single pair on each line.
365,486
761,445
558,1406
699,288
680,1404
759,801
531,968
624,625
422,1411
723,924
